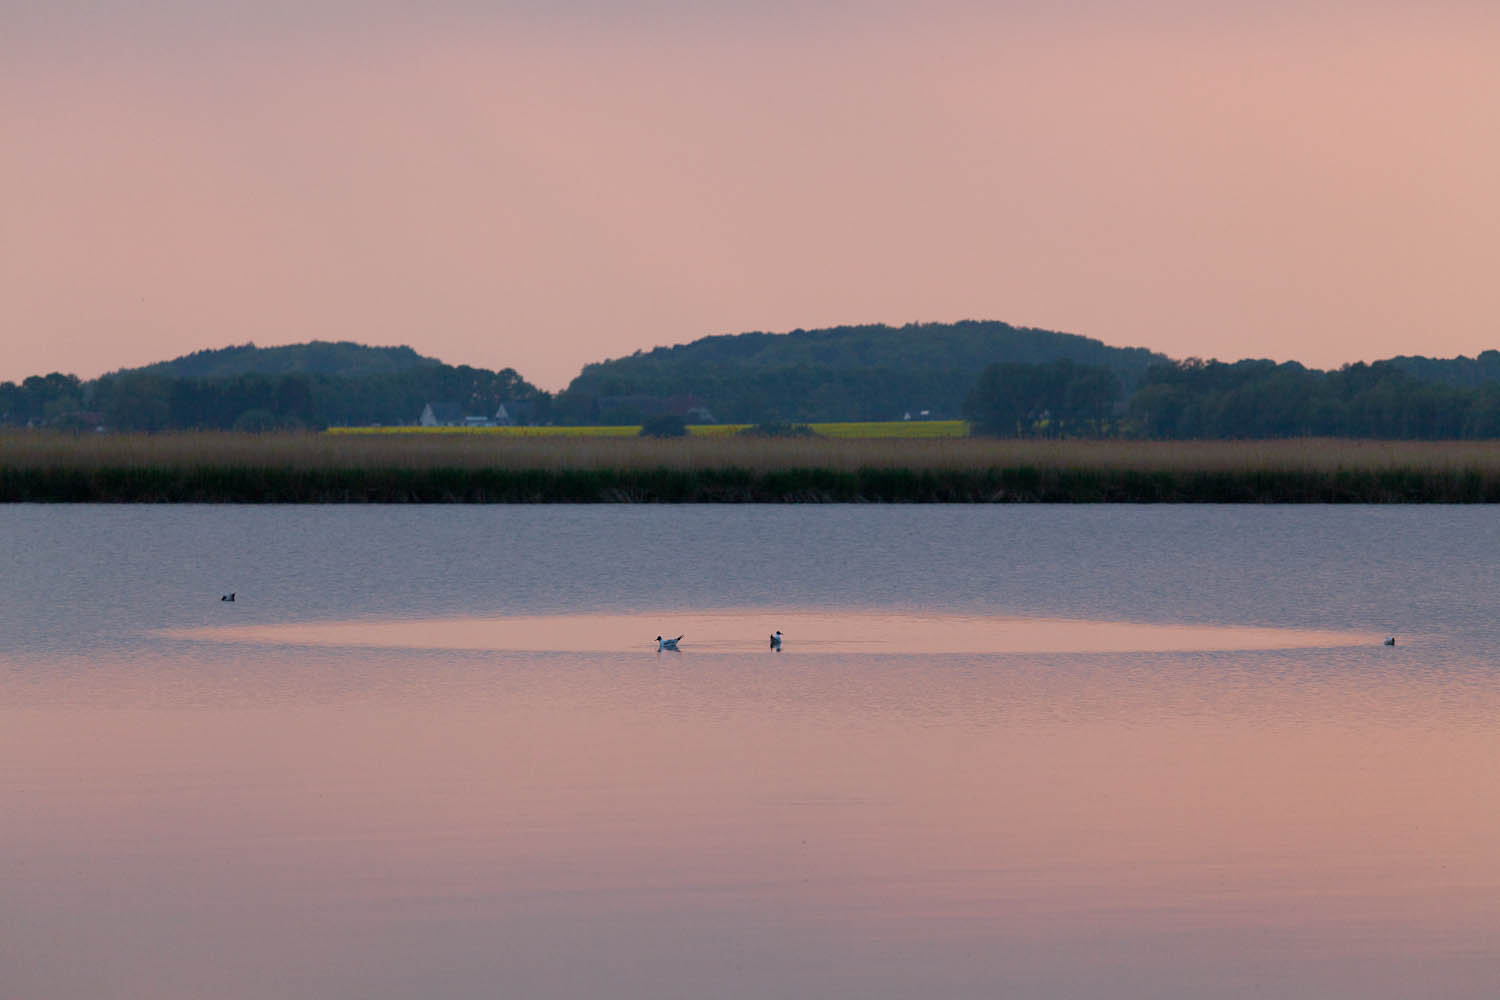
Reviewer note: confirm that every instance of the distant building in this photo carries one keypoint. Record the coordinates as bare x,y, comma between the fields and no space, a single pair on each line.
444,414
507,414
513,412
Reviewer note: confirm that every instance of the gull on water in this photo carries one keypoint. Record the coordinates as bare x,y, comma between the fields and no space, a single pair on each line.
662,644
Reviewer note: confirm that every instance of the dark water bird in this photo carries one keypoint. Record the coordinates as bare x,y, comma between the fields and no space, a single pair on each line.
776,639
228,597
662,644
1390,640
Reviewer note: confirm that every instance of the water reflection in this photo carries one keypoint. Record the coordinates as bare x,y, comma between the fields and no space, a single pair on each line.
741,630
1004,802
384,822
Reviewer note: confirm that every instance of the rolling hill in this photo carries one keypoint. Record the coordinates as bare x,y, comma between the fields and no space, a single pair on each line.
872,372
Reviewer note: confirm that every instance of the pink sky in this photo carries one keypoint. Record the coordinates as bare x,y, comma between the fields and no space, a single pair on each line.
541,185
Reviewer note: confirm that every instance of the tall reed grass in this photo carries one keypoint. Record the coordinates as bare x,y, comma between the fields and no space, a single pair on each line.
322,467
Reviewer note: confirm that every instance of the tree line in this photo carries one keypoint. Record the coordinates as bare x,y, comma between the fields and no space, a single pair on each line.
1197,399
847,373
144,401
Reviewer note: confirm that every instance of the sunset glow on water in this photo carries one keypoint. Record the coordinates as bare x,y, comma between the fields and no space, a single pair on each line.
732,631
304,794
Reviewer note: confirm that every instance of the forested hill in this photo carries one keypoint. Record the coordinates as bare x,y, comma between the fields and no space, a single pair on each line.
311,385
320,357
874,372
1003,379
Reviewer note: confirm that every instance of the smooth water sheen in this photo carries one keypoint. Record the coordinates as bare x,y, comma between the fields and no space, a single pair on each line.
1032,752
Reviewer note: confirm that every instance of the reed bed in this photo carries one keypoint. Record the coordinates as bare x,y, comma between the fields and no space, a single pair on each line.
34,449
308,467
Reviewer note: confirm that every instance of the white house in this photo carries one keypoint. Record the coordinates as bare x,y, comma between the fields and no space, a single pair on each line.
444,414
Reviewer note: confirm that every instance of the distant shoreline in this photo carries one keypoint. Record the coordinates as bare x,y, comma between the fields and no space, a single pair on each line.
312,468
1016,485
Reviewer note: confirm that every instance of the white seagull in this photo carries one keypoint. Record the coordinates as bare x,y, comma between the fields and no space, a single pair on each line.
662,644
776,639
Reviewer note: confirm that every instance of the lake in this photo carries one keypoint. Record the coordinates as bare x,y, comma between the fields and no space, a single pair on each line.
1009,751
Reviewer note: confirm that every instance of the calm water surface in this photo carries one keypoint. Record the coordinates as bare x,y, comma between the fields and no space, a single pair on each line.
1035,752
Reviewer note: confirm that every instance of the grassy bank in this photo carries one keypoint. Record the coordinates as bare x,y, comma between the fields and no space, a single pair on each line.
476,468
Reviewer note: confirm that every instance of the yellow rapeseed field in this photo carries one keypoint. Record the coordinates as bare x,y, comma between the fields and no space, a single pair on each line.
870,429
504,432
